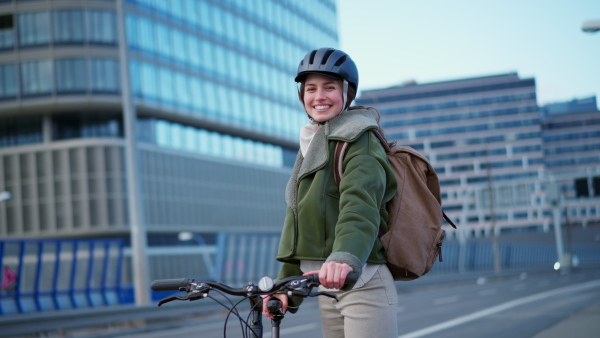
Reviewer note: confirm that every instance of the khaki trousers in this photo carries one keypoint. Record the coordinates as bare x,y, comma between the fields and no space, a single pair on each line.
369,311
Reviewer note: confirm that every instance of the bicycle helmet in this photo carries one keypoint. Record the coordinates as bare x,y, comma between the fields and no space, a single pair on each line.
329,62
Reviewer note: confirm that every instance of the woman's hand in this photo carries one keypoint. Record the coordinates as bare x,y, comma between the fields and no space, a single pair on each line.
332,274
283,298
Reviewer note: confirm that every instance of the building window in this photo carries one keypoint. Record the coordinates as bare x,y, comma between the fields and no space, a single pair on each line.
101,27
67,27
80,125
70,76
34,29
8,82
104,76
462,168
19,131
36,78
7,31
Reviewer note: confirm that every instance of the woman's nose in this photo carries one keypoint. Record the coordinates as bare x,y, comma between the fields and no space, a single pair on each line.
320,95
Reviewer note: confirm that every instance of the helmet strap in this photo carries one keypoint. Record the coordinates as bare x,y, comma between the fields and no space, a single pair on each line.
344,94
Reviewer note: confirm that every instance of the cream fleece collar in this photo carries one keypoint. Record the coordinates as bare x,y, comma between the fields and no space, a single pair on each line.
307,132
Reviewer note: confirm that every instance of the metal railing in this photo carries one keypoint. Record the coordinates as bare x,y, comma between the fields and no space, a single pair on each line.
42,275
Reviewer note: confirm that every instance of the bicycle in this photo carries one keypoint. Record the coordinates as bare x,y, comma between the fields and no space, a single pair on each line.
301,286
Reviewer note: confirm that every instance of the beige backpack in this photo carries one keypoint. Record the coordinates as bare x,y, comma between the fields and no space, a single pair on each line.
414,238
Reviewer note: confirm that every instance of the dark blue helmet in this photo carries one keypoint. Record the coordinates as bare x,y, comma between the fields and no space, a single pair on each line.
329,62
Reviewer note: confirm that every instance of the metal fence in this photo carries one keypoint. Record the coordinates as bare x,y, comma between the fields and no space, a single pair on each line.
47,275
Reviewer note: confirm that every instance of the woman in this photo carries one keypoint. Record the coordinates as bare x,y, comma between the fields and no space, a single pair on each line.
333,230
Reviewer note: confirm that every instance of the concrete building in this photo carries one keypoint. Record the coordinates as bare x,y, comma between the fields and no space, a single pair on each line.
478,133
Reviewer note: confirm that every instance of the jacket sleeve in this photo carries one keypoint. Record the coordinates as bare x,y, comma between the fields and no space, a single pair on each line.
362,191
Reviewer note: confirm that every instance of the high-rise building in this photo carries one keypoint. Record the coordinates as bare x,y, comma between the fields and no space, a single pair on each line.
478,133
180,115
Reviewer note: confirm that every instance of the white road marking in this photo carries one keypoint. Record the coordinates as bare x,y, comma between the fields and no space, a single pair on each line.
499,308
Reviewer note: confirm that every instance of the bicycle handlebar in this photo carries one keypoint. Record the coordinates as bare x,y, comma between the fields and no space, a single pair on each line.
294,286
300,286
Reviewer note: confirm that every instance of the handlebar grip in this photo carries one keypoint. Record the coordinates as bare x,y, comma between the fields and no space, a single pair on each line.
170,284
274,306
351,279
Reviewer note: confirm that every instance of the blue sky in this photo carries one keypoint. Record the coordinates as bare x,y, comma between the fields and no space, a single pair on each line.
435,40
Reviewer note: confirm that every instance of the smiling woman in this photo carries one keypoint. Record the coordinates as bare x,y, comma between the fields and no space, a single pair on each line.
330,230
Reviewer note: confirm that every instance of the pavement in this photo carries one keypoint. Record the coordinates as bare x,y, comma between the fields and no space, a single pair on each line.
583,324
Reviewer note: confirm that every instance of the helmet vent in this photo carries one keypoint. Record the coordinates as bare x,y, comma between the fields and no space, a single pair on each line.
312,57
326,56
341,60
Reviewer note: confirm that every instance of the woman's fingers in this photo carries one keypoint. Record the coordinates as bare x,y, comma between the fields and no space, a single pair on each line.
282,297
265,311
333,274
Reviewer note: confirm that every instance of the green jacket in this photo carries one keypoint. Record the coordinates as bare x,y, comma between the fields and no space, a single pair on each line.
325,222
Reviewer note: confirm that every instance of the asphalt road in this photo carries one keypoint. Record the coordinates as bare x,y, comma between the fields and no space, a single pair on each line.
517,305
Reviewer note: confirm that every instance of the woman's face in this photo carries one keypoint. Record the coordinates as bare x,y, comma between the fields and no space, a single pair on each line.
322,97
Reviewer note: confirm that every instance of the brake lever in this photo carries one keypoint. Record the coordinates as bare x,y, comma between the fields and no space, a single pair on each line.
171,298
191,295
323,293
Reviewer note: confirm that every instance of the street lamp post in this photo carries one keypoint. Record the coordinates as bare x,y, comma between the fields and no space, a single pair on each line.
553,195
137,223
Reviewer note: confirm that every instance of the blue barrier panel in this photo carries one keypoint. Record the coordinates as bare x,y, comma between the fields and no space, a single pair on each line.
244,258
479,256
43,275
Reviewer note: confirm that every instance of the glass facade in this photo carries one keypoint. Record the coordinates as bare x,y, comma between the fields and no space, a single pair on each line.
212,86
233,61
229,62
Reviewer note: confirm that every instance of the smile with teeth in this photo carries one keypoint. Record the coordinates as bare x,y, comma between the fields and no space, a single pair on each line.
321,107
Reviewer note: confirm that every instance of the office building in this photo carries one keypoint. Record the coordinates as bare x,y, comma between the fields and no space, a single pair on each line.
478,133
205,86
